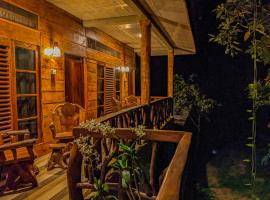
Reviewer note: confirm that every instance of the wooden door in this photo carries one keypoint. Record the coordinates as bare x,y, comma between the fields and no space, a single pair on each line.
74,80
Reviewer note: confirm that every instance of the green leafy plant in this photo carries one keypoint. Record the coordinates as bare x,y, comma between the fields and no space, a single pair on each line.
244,28
123,160
101,192
187,97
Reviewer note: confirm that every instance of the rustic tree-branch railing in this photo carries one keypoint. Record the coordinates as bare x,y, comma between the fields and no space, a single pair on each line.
170,186
155,115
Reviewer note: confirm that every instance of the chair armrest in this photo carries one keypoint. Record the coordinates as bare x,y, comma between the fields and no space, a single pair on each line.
52,128
20,134
24,143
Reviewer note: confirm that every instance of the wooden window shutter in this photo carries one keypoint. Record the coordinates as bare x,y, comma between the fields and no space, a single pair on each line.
109,89
5,88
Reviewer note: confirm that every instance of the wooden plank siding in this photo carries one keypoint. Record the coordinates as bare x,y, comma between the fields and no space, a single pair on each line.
56,25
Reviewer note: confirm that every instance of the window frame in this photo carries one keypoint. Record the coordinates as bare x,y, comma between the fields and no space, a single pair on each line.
37,94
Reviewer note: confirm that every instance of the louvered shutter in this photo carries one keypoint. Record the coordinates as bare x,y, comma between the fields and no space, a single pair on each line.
5,96
109,89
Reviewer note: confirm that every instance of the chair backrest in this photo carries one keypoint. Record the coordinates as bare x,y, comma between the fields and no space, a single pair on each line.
131,101
66,116
116,105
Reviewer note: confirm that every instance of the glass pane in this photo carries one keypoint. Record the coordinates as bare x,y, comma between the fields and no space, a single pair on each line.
117,85
27,107
100,111
31,125
101,85
100,72
118,96
100,99
26,83
117,74
25,59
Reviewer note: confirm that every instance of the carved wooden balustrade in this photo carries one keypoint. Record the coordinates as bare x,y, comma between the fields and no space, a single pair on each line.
168,182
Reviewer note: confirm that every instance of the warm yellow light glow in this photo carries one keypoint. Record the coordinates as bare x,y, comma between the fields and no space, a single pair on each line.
56,52
48,51
53,52
123,68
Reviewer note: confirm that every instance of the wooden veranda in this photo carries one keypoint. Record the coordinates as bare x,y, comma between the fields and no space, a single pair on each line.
84,52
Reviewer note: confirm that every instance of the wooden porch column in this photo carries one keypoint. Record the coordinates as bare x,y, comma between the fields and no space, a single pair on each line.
145,60
170,72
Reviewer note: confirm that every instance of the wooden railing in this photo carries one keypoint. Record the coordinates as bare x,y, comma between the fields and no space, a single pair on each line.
170,181
156,115
161,112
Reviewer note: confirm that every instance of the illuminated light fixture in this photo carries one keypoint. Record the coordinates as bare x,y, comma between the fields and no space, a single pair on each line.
123,68
56,51
53,52
126,69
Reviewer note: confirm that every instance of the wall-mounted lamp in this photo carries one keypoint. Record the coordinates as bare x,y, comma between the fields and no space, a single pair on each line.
123,68
53,51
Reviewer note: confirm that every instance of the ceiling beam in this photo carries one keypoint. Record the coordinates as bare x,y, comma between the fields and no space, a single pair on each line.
139,6
144,9
111,21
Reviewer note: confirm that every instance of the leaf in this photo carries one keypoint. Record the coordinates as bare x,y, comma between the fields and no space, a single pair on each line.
247,35
110,197
124,147
249,111
250,145
126,176
106,187
251,118
247,160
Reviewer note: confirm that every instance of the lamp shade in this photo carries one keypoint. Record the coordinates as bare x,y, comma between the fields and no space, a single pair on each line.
56,52
48,51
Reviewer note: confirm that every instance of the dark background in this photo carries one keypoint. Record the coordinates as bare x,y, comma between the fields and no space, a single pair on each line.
222,78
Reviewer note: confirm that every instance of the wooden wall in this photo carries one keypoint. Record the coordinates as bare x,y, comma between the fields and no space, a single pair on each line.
59,26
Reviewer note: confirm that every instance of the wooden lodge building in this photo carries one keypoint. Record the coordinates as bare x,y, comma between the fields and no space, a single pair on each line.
83,52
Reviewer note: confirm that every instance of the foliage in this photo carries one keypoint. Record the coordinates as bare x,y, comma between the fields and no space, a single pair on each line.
205,193
101,192
139,131
93,126
126,163
187,96
259,92
243,29
266,158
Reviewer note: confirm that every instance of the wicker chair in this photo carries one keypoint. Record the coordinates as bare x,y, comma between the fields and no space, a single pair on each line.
64,118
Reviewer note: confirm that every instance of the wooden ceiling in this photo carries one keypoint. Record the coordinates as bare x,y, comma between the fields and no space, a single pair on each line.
120,19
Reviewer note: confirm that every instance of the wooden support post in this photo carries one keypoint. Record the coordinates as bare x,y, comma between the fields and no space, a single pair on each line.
145,60
170,72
